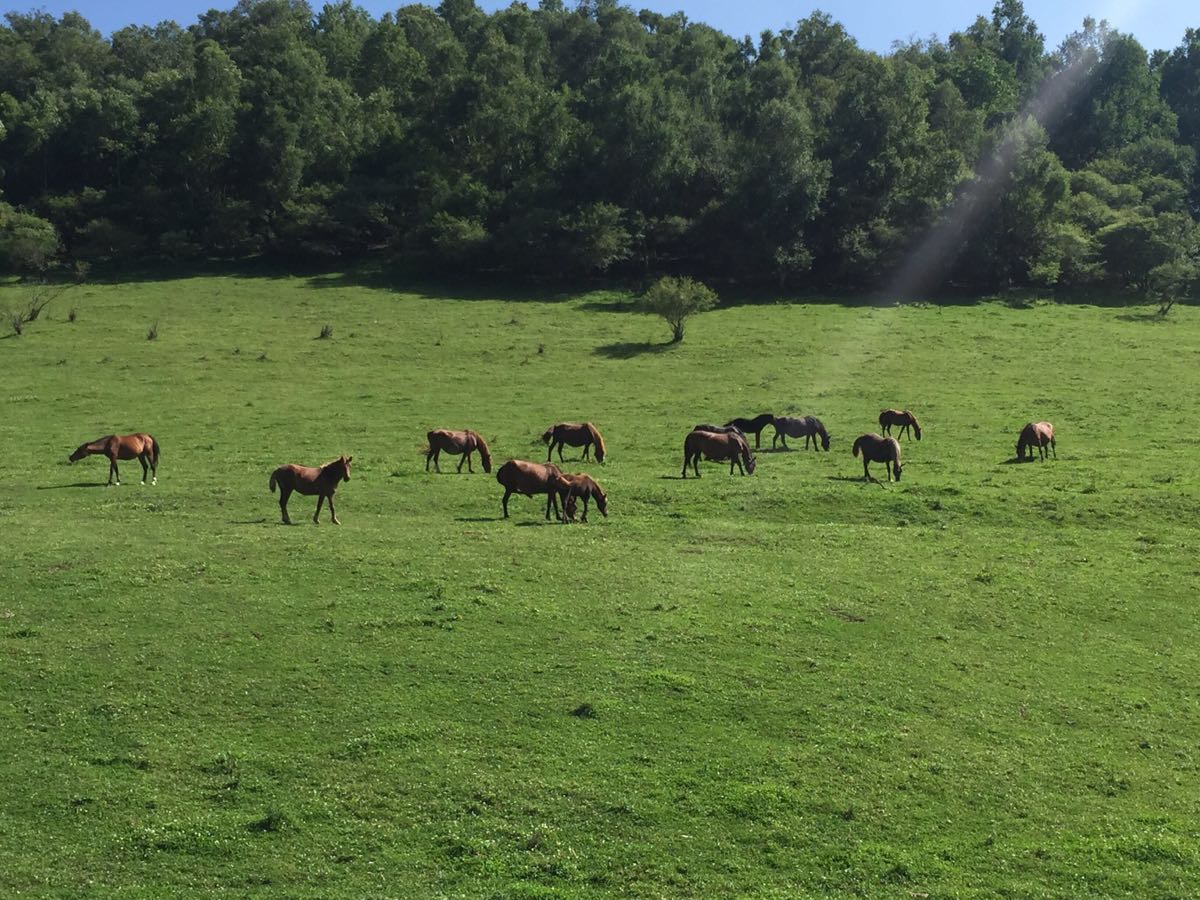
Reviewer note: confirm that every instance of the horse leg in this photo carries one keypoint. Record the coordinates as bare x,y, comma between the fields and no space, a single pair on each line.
428,457
469,467
507,494
113,470
465,457
586,497
586,449
145,466
284,493
316,515
560,456
332,515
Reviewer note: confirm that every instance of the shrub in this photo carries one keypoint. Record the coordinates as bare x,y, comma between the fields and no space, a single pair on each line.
326,333
152,334
675,299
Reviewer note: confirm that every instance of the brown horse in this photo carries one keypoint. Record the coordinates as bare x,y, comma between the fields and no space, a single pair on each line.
717,448
519,476
457,442
308,480
901,417
877,448
1036,434
574,434
582,485
141,447
807,427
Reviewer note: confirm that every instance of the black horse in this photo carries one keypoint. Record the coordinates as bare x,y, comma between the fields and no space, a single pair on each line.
752,426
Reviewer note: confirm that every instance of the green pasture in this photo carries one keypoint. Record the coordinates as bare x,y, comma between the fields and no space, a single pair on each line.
981,681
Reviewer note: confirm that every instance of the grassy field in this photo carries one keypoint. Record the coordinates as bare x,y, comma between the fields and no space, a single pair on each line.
979,682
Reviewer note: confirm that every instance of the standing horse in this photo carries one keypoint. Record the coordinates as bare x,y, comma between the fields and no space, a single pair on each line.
309,480
575,434
807,427
877,448
519,476
1036,434
582,485
752,426
141,447
457,442
901,417
717,448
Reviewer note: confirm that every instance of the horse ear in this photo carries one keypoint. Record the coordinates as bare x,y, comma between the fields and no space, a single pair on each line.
349,459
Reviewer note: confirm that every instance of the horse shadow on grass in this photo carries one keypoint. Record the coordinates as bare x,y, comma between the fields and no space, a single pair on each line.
77,484
478,518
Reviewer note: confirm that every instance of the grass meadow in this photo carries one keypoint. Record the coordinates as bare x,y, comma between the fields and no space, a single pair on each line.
978,682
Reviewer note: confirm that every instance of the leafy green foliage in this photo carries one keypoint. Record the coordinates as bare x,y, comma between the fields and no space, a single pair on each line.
677,299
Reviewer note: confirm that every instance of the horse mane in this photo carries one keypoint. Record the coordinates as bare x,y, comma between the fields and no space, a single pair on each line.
915,424
485,454
599,441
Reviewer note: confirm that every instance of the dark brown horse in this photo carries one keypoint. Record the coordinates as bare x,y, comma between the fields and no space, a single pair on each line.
1036,434
141,447
455,443
582,485
308,480
719,429
753,426
519,476
901,417
807,427
574,434
717,448
877,448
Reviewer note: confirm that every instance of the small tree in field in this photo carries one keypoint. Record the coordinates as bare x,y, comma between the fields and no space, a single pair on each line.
675,299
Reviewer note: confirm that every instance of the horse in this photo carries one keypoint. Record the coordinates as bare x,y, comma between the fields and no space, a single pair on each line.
719,429
717,448
309,480
576,434
807,427
752,426
901,417
519,476
877,448
457,442
141,447
1036,434
582,485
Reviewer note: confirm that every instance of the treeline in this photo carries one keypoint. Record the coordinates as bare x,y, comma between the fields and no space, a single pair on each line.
572,141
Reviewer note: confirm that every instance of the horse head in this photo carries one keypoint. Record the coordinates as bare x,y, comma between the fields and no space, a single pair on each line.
547,435
824,440
896,468
80,452
485,453
601,500
345,463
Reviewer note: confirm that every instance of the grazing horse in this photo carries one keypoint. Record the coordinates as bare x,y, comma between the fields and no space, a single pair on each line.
141,447
575,434
719,429
901,417
1036,434
752,426
519,476
807,427
877,448
309,480
457,442
582,485
717,448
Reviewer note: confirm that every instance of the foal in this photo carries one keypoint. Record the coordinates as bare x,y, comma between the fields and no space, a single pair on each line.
583,485
309,480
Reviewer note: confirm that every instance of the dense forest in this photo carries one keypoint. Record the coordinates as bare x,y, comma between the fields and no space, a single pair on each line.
574,141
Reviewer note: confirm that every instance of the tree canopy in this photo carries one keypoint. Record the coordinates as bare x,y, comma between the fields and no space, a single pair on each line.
590,139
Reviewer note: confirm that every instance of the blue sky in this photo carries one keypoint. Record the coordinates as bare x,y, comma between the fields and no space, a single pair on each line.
1158,24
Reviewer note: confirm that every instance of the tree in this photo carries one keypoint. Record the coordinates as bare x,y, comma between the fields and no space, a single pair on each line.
675,299
28,244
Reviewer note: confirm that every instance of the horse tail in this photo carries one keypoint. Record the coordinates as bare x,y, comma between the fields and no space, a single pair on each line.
274,480
857,445
155,449
883,415
598,441
485,454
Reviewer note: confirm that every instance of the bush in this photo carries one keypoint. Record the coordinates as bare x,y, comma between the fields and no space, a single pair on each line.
675,299
28,244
